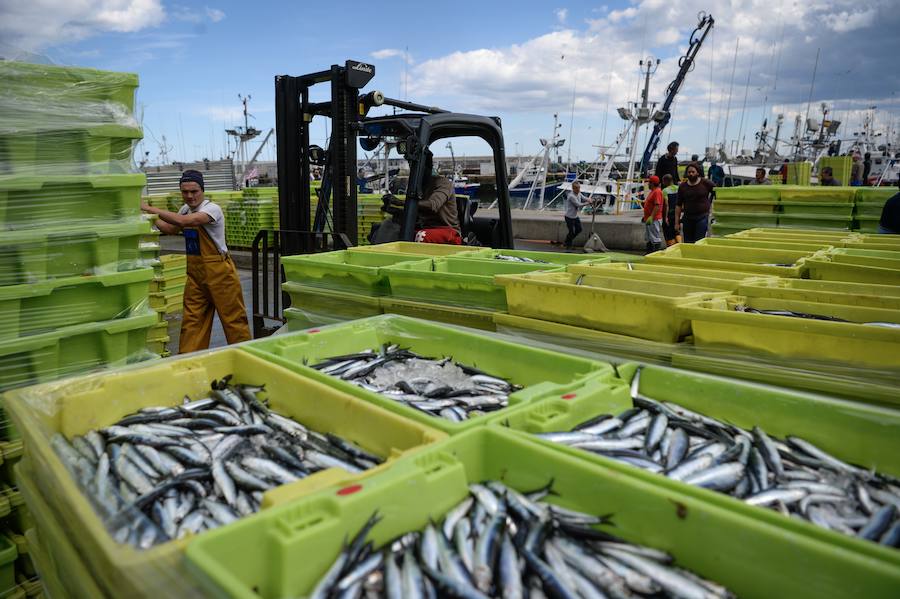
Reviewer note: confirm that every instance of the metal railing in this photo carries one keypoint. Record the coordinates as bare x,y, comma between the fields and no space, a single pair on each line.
268,300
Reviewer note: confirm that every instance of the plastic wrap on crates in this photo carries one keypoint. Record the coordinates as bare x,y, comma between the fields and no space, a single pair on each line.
68,409
65,120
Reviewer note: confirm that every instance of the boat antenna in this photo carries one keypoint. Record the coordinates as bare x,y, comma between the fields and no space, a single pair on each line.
712,60
812,85
746,94
737,43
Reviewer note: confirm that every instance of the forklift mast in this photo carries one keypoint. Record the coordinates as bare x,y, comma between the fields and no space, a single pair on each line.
348,109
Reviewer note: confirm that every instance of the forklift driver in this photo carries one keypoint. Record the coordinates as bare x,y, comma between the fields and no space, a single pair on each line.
438,220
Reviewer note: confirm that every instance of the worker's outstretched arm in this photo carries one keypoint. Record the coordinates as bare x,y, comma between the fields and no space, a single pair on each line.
175,220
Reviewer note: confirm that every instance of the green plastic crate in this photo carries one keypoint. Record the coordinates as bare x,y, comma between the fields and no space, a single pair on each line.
457,315
747,193
727,207
34,255
752,242
39,307
98,400
784,263
795,232
45,84
359,272
539,372
715,323
8,554
825,238
831,292
817,221
95,148
798,193
837,209
744,220
714,542
457,281
418,249
725,230
697,277
854,432
840,165
324,306
560,258
73,349
626,302
576,339
63,200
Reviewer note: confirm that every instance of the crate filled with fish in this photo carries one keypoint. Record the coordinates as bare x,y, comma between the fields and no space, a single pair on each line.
852,335
358,272
448,378
423,250
614,298
458,281
825,461
492,513
537,257
779,262
146,457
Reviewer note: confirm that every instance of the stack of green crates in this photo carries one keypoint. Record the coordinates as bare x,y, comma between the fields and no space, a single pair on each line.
166,293
745,207
817,207
840,165
869,203
798,173
73,285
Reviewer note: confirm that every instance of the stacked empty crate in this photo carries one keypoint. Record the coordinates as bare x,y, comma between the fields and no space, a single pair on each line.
745,207
166,295
249,212
73,289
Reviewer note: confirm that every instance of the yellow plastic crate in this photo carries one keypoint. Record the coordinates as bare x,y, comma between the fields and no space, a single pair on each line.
77,405
422,249
466,317
832,292
838,266
784,263
715,323
630,303
722,280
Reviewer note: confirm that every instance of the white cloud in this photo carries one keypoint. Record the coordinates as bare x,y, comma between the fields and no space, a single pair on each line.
392,53
192,15
561,15
214,14
850,21
39,24
531,78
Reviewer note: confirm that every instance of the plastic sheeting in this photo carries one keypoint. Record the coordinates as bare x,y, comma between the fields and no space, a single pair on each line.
74,278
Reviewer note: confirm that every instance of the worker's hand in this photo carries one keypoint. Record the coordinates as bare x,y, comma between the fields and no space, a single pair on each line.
146,207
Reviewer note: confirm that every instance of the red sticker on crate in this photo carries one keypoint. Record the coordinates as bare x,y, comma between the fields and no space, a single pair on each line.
570,396
350,490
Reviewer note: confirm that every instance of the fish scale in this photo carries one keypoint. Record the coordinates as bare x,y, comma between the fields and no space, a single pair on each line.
438,387
792,476
513,555
155,481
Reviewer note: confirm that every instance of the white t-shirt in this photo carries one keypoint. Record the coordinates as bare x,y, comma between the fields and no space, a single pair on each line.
215,229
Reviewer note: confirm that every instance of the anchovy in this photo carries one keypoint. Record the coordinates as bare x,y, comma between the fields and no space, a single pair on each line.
791,476
516,556
166,472
437,386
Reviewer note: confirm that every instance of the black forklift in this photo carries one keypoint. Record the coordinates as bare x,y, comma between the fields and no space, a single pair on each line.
332,224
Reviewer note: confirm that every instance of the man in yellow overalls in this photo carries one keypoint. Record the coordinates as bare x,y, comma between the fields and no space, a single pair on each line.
212,280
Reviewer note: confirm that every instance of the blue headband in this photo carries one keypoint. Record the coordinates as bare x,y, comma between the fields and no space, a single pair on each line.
192,177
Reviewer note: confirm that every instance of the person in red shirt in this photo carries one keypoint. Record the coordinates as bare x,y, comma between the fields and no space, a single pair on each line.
653,213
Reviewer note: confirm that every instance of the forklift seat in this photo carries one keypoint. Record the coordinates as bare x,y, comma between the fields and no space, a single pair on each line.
465,211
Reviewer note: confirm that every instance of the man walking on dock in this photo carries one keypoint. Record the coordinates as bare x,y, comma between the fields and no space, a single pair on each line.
574,204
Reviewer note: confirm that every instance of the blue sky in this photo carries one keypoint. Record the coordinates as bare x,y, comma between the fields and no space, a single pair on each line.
519,60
